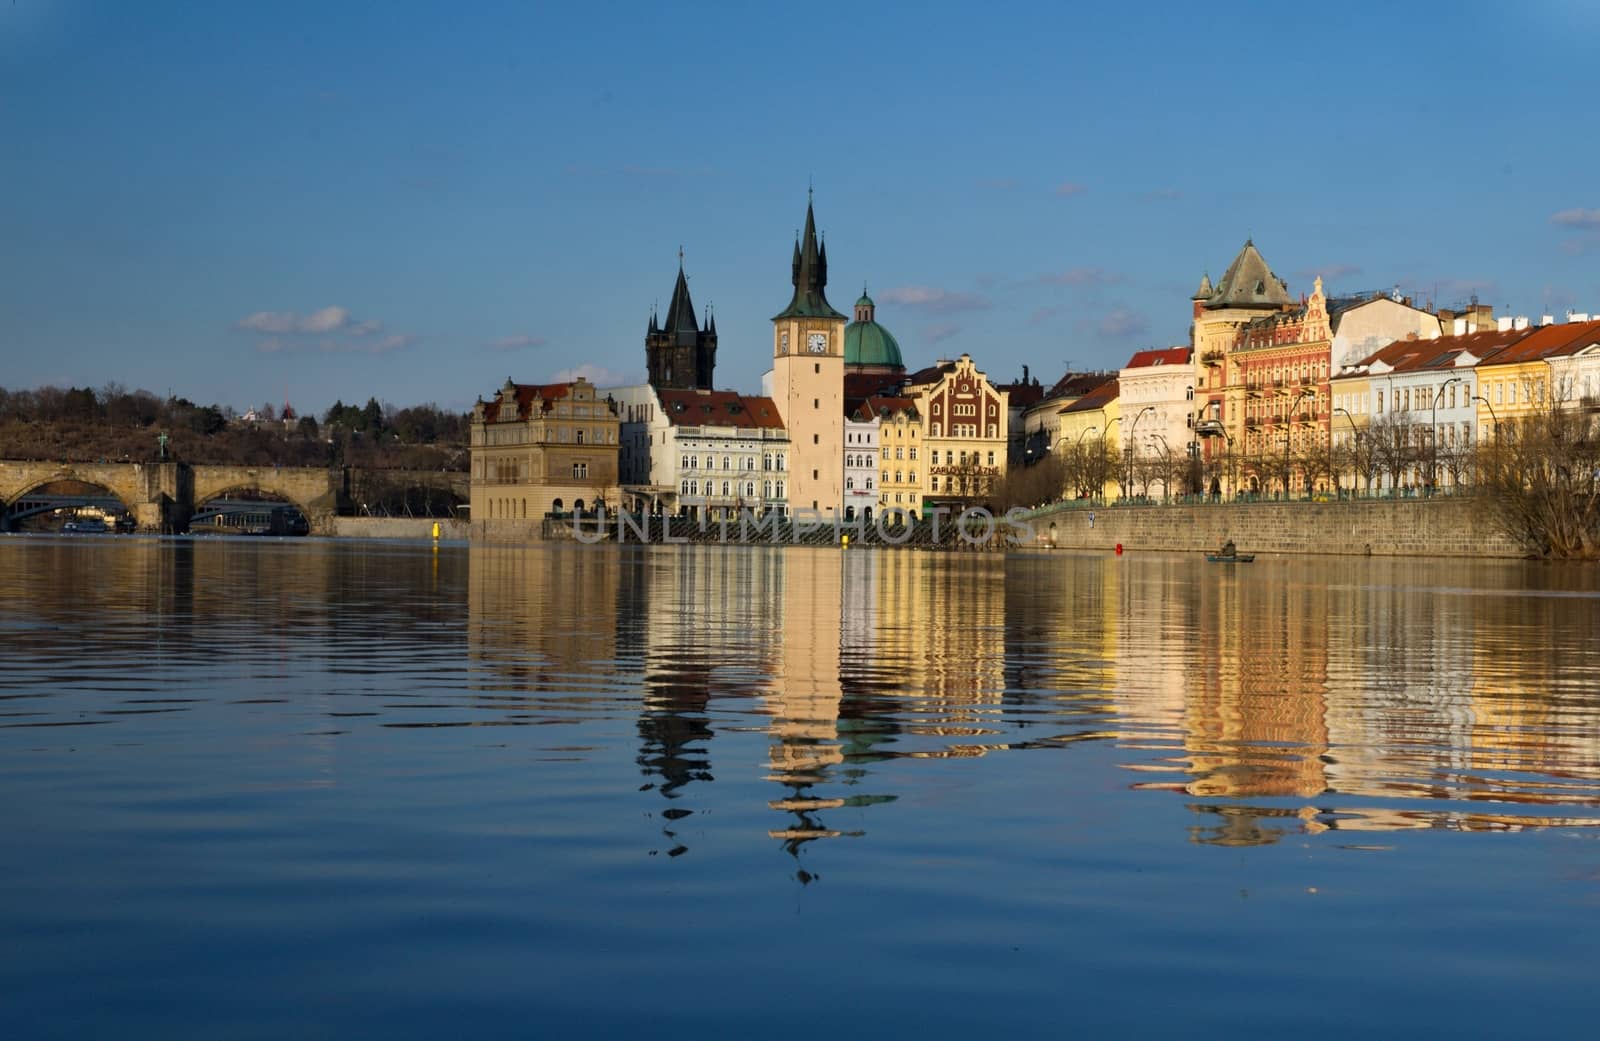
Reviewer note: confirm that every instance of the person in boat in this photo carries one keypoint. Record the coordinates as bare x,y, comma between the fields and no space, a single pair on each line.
1228,549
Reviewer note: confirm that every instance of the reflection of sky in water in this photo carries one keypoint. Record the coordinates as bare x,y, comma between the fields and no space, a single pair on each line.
561,723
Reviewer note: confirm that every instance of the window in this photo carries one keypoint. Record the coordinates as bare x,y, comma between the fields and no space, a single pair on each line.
580,471
991,458
726,489
899,453
913,453
580,435
849,484
816,439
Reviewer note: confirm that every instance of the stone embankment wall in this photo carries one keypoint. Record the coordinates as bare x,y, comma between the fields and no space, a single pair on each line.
1444,527
396,528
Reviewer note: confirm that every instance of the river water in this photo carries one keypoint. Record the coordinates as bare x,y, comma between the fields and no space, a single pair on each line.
270,789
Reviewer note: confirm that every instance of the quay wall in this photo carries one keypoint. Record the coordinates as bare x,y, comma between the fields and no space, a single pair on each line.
1450,526
397,528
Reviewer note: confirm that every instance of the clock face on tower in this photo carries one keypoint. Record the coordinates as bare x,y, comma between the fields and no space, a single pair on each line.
817,343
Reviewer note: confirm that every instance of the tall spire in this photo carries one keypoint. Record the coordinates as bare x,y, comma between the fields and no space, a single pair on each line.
810,274
680,312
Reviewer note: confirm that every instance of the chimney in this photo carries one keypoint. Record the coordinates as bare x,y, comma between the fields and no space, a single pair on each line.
1577,316
1519,323
1547,319
1504,323
1459,327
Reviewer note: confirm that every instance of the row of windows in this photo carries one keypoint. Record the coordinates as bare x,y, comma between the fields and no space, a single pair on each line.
910,476
899,452
769,489
769,461
850,483
951,458
966,410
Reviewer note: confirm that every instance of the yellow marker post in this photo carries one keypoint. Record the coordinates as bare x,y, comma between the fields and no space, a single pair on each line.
436,531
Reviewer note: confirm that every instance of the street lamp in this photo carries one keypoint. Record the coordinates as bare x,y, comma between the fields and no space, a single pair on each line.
1166,480
1133,433
1354,437
1433,437
1287,435
1492,416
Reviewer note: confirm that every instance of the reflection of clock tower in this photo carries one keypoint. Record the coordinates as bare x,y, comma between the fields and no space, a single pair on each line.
808,380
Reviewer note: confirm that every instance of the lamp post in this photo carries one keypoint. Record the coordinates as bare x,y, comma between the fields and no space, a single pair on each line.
1133,433
1166,454
1353,435
1433,435
1288,434
1494,419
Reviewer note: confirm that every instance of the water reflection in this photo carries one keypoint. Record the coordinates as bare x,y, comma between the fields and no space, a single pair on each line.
809,686
1295,698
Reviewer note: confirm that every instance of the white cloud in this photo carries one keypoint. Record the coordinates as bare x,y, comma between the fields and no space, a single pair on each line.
1123,322
327,330
519,342
933,298
941,332
1584,220
1067,189
1081,276
599,375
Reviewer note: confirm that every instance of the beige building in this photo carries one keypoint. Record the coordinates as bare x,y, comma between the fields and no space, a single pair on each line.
902,454
808,380
966,418
541,449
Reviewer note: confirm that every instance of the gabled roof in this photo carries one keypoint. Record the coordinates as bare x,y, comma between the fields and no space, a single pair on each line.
1158,356
719,408
1077,384
530,398
1249,283
931,374
1403,354
1021,395
882,406
1547,341
1096,399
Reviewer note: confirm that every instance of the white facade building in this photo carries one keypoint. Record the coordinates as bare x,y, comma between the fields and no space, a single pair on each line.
860,466
702,453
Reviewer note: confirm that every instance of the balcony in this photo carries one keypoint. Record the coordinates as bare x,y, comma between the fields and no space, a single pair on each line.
1278,383
1306,417
1306,381
1211,358
1251,422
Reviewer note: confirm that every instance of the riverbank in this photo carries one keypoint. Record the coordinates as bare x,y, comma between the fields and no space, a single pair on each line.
1450,526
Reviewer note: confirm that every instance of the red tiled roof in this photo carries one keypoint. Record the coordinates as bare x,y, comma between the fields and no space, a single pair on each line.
1159,356
527,394
1547,341
1096,399
719,408
883,405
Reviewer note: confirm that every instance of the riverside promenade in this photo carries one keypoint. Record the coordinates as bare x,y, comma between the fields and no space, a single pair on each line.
1447,526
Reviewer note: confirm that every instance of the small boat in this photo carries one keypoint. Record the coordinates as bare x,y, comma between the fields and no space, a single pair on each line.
85,526
1230,558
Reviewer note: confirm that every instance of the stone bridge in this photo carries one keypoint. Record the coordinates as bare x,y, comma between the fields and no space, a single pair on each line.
161,497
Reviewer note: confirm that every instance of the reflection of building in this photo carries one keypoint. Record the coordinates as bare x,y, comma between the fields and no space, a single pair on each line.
542,449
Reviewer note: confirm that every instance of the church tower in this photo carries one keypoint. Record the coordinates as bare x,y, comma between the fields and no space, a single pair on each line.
808,379
680,355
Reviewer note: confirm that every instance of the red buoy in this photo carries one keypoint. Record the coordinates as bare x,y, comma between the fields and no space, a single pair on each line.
1119,549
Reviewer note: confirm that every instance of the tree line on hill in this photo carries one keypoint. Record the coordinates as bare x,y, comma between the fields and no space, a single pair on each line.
114,424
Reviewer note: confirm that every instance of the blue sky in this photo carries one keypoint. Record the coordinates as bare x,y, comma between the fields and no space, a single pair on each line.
245,202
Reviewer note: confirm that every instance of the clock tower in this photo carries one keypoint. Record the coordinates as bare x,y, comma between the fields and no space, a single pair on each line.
808,380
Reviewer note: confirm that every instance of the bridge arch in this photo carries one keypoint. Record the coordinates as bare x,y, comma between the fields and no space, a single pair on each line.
65,491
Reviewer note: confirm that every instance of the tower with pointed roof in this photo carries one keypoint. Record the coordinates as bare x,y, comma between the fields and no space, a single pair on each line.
808,377
681,354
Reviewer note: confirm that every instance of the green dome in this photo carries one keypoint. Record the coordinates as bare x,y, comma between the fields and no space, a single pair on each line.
868,343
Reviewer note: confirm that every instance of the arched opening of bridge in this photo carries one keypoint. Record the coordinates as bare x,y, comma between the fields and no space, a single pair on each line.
248,511
374,493
68,507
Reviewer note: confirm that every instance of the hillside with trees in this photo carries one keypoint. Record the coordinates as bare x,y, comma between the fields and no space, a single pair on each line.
113,424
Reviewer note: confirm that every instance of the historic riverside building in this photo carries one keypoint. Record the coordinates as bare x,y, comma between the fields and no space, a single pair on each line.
680,355
808,379
872,363
1157,391
542,449
901,460
966,432
702,453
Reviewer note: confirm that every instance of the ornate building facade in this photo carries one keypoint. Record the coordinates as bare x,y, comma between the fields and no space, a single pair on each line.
539,449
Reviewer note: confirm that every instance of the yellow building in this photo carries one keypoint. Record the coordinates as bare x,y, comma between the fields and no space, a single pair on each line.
902,452
541,449
966,418
1091,443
